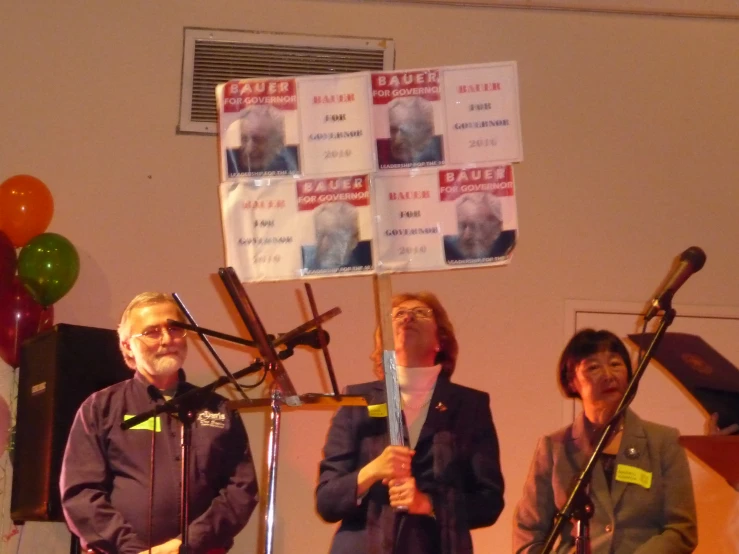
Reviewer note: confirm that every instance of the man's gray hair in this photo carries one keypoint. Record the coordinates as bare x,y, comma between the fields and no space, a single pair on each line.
341,215
124,327
268,113
485,199
417,104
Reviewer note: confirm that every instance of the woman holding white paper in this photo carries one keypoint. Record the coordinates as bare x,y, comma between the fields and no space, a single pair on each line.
640,488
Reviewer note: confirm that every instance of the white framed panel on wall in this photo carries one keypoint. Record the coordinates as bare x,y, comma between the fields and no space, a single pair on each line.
662,399
721,9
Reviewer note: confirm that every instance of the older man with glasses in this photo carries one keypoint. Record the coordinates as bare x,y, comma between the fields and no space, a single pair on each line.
121,488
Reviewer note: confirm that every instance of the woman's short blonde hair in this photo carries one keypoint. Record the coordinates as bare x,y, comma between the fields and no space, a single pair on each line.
448,347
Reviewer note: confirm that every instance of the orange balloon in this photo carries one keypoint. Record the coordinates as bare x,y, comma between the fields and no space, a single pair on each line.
26,208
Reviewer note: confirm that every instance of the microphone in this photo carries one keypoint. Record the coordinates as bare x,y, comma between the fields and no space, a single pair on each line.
311,339
690,262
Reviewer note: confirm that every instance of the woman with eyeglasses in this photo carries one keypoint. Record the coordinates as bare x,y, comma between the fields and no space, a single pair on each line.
640,488
423,498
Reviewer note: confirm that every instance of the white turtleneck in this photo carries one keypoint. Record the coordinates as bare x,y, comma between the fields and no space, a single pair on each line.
416,388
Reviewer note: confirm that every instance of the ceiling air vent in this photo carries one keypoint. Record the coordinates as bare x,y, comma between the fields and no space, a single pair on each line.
215,56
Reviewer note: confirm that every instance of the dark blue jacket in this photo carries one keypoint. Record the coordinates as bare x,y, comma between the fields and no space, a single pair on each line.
105,473
457,463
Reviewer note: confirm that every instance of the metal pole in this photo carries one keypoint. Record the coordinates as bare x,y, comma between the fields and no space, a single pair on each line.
274,440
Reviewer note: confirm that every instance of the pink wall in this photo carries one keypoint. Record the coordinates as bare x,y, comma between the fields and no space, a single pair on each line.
630,139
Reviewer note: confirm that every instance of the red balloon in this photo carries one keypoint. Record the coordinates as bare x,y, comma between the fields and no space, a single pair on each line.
26,208
21,317
8,262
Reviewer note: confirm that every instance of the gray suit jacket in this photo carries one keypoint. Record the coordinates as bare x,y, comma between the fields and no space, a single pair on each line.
628,519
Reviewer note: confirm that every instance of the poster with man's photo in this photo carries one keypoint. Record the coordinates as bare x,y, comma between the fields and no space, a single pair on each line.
404,170
335,126
335,219
407,113
479,221
440,219
258,127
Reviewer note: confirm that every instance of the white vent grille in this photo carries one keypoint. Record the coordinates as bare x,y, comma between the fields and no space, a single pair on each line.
212,57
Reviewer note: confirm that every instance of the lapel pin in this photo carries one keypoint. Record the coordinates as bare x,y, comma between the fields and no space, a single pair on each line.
632,453
441,407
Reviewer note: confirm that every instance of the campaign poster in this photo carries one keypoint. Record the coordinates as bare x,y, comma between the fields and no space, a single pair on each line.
482,113
335,125
258,125
479,221
335,222
408,221
260,228
408,119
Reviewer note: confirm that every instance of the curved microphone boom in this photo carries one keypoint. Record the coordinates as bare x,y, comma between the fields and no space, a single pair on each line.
311,339
689,262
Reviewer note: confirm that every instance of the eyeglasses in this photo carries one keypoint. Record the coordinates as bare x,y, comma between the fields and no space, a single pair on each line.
417,313
155,334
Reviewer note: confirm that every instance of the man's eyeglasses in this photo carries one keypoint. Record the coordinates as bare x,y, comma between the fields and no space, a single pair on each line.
417,313
155,334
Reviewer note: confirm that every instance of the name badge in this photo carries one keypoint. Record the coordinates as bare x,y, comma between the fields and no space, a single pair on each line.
377,410
147,425
634,475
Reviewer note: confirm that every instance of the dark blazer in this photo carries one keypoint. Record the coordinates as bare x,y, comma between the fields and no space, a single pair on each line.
501,247
457,463
628,518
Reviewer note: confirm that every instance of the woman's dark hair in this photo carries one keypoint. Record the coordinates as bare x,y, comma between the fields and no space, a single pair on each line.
586,343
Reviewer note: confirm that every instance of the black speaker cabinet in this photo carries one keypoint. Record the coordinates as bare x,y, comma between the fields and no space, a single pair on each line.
59,369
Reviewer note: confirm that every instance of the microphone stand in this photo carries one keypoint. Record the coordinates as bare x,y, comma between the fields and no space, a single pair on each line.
579,507
283,391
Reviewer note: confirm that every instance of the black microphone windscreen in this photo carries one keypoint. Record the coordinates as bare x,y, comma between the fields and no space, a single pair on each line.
695,257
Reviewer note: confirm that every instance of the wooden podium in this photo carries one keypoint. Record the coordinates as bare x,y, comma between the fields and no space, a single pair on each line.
719,452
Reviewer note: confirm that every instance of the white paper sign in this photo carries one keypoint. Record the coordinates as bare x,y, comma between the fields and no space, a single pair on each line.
260,228
335,126
482,113
408,214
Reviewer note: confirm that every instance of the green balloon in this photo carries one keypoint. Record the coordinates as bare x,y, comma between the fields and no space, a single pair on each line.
48,266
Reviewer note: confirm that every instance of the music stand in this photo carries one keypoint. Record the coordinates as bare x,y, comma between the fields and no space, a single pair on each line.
285,392
706,374
714,383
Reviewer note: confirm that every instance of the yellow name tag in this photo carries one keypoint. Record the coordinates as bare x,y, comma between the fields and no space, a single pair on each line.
377,410
147,425
634,475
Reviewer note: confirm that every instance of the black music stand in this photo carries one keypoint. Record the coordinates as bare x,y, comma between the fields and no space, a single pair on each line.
285,392
707,375
714,383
